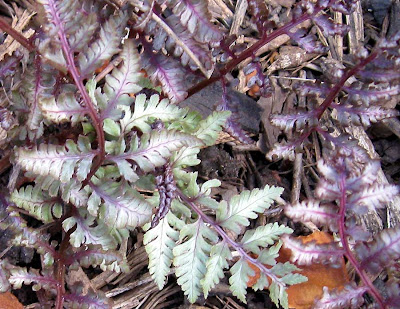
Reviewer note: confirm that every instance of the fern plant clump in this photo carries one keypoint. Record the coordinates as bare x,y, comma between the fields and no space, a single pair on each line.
89,180
100,148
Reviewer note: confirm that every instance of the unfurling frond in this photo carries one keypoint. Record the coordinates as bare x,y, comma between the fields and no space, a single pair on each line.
245,206
190,257
60,162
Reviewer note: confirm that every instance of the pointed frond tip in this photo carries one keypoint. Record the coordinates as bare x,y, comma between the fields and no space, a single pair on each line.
159,243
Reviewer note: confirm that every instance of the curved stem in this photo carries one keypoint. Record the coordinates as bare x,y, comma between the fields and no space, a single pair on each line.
347,251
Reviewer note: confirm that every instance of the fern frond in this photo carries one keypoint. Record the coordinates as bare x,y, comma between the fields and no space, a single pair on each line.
91,300
241,272
65,109
297,121
263,236
152,150
147,110
37,203
328,26
245,206
361,116
104,47
88,233
350,297
372,197
159,243
118,205
190,257
72,192
95,256
381,252
218,261
60,162
369,94
284,150
210,127
170,35
195,16
123,80
306,254
165,71
315,212
20,276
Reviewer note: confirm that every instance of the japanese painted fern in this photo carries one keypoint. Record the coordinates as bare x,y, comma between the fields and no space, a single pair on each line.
86,176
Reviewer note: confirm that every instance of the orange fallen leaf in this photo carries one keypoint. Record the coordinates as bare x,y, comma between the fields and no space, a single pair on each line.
9,301
302,296
255,88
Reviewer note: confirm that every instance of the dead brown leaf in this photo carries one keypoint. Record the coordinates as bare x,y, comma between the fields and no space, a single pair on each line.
9,301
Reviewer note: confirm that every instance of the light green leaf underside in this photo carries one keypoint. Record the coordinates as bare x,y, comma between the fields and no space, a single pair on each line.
190,257
210,127
263,236
60,162
219,256
245,206
241,272
159,243
148,110
38,203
